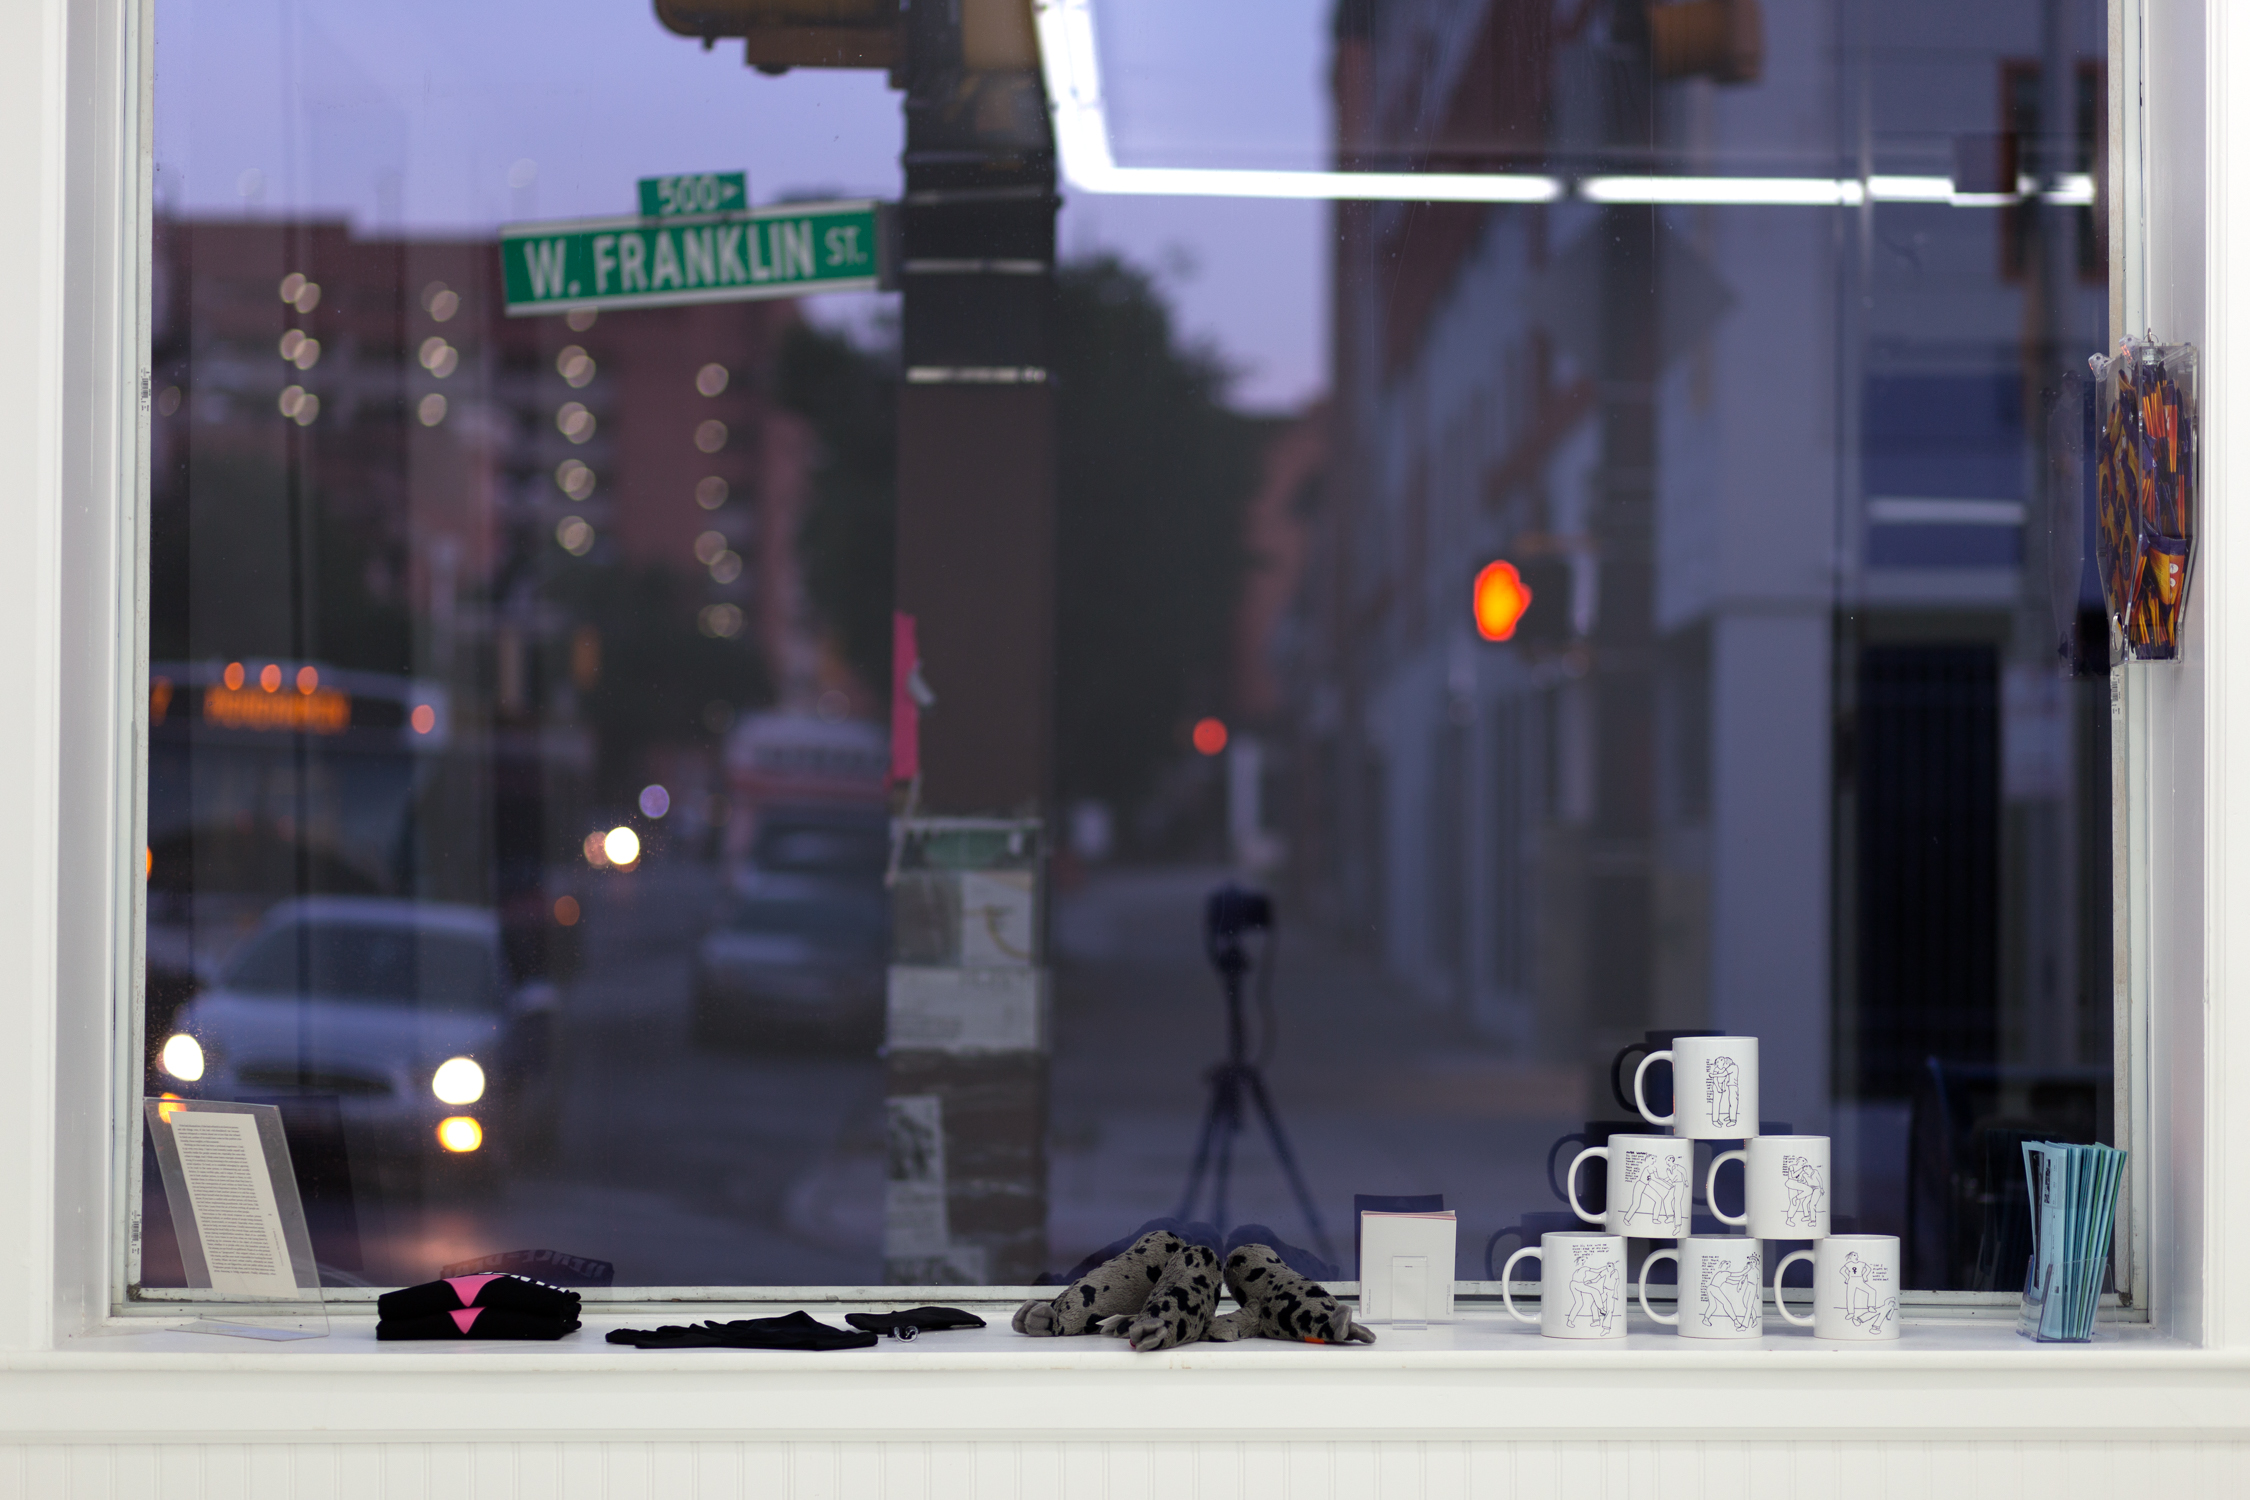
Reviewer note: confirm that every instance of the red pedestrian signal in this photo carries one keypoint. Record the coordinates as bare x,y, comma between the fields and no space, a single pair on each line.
1501,598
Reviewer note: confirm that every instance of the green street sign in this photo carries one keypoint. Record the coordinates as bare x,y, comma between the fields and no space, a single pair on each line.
786,251
695,193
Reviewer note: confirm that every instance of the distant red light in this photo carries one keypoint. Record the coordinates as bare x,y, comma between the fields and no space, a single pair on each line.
1210,736
424,718
1500,600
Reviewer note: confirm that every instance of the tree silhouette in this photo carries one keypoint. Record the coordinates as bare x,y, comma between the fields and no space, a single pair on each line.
1154,470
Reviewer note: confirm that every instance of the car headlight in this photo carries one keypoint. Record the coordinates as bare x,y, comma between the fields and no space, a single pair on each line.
183,1058
458,1080
459,1133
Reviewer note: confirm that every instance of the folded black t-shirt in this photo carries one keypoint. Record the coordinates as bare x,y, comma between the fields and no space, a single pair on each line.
516,1293
797,1330
476,1323
927,1319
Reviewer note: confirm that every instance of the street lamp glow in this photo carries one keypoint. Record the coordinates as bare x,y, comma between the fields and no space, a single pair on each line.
621,846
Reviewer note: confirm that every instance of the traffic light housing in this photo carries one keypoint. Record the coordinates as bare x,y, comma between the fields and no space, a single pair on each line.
778,35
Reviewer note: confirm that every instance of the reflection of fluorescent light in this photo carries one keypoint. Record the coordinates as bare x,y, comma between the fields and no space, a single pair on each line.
1903,510
1910,189
1828,191
1230,182
1073,76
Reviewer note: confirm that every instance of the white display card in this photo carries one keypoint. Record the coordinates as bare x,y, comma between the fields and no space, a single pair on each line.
224,1166
239,1222
1424,1243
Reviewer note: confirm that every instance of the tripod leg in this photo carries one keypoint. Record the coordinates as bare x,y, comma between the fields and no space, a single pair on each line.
1288,1158
1212,1116
1230,1092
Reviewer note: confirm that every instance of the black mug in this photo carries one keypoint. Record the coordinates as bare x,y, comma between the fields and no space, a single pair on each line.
1659,1084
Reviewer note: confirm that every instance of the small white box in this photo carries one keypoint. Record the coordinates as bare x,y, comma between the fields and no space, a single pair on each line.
1426,1239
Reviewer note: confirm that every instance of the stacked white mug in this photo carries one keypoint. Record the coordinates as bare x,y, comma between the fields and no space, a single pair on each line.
1785,1188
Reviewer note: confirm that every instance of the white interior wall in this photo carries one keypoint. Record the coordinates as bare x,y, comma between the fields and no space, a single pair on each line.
99,1416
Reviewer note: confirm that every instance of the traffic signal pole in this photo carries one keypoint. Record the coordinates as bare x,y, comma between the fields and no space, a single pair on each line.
967,1048
976,489
975,568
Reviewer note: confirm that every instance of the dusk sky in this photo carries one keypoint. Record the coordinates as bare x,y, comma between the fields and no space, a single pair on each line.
433,116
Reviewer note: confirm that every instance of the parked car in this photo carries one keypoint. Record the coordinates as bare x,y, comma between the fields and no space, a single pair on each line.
817,849
400,1010
806,968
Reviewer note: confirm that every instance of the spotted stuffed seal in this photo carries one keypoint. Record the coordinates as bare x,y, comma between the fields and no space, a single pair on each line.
1278,1303
1179,1306
1117,1287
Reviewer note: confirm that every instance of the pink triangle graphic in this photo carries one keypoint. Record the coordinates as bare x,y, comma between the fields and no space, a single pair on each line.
466,1317
467,1287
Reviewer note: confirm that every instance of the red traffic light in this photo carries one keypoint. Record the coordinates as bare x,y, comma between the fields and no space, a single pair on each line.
1500,600
1210,736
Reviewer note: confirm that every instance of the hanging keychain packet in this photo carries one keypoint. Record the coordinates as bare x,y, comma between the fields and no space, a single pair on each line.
2145,492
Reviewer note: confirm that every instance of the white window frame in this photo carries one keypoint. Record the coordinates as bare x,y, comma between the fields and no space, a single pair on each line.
2137,696
74,154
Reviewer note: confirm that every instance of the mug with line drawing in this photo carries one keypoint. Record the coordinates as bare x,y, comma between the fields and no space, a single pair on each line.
1581,1285
1785,1187
1714,1087
1721,1287
1855,1288
1651,1185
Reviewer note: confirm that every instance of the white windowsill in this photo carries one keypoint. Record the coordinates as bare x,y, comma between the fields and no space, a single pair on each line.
1480,1377
1477,1341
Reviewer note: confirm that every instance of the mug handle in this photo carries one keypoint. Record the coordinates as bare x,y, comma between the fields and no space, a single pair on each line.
1653,1257
1640,1099
1711,1188
1507,1295
1556,1150
1617,1072
1779,1305
1570,1181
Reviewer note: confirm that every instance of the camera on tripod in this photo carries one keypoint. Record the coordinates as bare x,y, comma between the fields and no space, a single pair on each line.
1231,912
1238,1084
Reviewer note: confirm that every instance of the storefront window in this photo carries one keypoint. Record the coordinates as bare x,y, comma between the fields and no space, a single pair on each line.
1632,585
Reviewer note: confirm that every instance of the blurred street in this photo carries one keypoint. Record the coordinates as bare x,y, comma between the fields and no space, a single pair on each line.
694,1167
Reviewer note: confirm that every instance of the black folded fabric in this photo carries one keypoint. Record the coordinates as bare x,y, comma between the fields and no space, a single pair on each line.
448,1294
797,1330
925,1319
476,1323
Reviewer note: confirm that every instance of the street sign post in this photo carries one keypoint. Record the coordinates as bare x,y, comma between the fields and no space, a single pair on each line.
694,193
785,251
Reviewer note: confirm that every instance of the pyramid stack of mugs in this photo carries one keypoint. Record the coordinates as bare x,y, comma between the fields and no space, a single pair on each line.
1720,1276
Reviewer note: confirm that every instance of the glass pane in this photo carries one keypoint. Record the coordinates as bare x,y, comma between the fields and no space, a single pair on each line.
1613,572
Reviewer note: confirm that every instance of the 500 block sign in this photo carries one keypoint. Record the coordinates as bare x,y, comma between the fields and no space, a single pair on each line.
772,252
